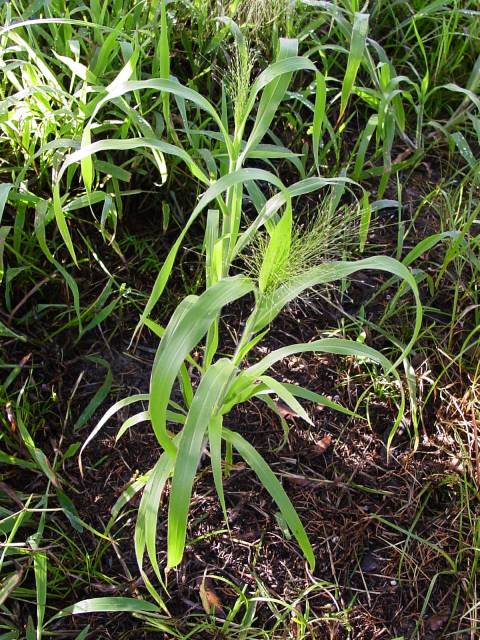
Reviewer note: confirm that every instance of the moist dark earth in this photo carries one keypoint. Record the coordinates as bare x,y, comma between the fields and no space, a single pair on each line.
367,513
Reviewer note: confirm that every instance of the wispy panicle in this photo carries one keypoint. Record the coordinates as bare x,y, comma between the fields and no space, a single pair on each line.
330,235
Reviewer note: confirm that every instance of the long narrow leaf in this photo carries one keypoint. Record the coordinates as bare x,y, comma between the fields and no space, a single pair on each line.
355,56
338,346
106,417
274,488
180,337
205,403
318,115
107,605
329,272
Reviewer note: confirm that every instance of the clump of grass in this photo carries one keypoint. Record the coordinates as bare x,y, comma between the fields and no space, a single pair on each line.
329,235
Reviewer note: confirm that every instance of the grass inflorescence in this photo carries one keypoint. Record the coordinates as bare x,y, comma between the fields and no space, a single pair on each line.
328,235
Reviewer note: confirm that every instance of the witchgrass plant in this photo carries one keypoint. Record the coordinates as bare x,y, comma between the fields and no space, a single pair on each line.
226,381
288,267
231,149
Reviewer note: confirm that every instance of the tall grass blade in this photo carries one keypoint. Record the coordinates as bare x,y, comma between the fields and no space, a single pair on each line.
355,57
107,605
318,116
274,488
329,272
147,518
206,402
277,250
4,191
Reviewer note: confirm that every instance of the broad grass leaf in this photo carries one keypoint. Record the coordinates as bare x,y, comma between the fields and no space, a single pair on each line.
77,68
62,223
474,79
327,345
277,250
84,154
274,81
167,86
206,403
142,416
365,138
83,634
469,95
37,455
164,51
8,28
86,163
20,463
318,115
108,50
428,243
147,518
126,72
287,63
107,605
271,305
189,323
132,143
365,217
4,231
274,488
4,191
337,346
9,584
215,427
464,149
213,260
40,571
36,57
